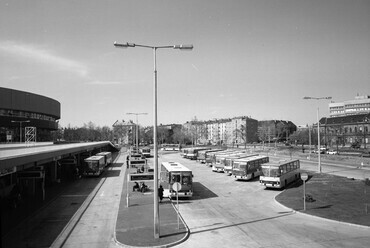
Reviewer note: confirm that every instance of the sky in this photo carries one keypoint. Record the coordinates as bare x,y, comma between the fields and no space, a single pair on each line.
255,58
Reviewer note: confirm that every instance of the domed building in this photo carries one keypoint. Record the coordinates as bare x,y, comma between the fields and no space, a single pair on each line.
20,109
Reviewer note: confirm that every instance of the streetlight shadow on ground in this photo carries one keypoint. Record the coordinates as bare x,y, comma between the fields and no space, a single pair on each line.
284,214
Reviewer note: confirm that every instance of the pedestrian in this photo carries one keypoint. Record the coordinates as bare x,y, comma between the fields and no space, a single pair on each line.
127,160
160,193
136,187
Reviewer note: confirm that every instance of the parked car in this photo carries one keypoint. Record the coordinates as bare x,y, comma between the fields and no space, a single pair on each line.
322,150
356,145
365,154
332,152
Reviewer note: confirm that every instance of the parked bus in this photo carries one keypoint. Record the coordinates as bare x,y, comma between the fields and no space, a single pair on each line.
193,152
108,158
248,168
95,165
220,161
145,152
280,174
202,155
211,157
229,162
172,172
171,147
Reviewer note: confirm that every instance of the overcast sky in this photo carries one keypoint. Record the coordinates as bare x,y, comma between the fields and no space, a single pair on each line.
256,58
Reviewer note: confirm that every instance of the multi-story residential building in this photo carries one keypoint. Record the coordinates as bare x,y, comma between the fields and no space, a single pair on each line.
275,130
216,131
360,105
346,130
242,130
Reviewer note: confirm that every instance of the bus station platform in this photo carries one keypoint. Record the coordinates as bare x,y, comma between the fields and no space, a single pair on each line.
135,223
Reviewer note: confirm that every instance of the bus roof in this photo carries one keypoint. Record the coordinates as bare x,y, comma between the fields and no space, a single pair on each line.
174,166
241,156
102,153
251,158
94,158
278,163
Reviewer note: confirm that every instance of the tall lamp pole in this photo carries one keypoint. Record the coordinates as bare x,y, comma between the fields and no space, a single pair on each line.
318,128
154,48
137,127
20,129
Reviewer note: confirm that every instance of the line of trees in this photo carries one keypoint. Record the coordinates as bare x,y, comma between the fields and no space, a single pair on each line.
175,135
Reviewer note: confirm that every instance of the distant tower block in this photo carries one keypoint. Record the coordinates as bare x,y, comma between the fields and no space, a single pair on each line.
30,134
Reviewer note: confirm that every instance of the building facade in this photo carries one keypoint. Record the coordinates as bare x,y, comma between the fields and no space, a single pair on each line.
351,130
360,105
20,109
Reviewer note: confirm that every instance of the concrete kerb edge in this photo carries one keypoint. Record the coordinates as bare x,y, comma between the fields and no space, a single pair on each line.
318,217
186,226
63,236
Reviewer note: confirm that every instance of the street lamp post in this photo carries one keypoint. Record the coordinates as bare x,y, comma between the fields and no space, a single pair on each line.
20,129
318,129
154,48
137,127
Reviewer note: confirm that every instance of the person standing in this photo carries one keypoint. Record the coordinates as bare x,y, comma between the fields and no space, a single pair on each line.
160,193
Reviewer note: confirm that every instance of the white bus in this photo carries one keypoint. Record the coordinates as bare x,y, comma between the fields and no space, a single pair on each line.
145,152
95,165
173,172
280,174
202,155
171,147
211,157
229,162
192,153
219,163
248,168
108,159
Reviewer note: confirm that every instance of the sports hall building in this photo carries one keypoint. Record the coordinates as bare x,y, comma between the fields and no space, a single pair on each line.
20,109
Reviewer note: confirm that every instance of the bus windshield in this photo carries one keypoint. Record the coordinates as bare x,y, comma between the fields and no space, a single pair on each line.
186,178
271,172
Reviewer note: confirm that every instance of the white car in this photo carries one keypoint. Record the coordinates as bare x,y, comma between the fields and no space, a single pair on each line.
332,152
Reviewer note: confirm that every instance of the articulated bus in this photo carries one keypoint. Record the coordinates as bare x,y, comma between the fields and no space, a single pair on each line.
229,162
108,159
248,168
280,174
95,165
173,172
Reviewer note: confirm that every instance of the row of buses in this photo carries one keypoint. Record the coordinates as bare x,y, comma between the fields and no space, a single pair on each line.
95,164
244,166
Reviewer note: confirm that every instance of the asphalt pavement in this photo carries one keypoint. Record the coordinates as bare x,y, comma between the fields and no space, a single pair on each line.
135,219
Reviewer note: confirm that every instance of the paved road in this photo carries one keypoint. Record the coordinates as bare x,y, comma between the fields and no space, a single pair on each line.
229,213
223,213
95,227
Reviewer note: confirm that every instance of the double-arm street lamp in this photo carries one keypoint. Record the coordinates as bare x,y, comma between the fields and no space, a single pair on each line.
318,128
20,129
155,48
137,127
